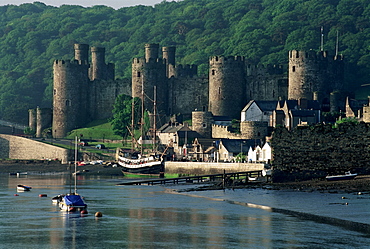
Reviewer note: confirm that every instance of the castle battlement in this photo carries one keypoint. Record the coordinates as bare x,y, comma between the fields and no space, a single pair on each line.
66,64
225,59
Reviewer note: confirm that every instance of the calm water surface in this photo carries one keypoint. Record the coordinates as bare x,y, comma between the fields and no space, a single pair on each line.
154,217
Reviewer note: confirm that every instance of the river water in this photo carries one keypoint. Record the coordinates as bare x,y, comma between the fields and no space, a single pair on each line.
156,217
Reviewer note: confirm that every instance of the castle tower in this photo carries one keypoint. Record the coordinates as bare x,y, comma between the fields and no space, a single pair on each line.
202,123
254,129
82,53
44,119
149,73
98,66
69,96
226,86
168,54
32,119
307,72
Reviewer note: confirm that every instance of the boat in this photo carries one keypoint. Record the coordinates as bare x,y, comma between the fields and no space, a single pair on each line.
347,176
135,162
72,201
21,187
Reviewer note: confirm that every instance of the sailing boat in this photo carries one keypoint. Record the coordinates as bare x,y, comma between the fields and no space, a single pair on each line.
72,202
134,162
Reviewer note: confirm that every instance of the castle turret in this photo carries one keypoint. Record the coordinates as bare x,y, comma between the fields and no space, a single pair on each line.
44,119
82,53
226,86
169,54
151,52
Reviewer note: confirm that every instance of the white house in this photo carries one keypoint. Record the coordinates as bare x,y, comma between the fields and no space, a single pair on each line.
259,154
258,111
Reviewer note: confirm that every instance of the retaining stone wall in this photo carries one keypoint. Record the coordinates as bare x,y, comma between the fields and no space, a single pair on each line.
15,147
201,168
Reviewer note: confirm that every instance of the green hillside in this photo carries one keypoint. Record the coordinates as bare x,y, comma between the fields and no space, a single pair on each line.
33,35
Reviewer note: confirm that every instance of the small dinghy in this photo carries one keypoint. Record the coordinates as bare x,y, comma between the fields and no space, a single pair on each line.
21,187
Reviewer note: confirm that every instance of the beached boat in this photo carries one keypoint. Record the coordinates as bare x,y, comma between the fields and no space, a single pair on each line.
347,176
21,187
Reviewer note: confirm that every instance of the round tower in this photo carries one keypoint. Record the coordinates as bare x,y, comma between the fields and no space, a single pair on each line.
98,66
151,52
306,74
32,119
44,117
69,96
254,129
169,54
226,86
82,53
202,123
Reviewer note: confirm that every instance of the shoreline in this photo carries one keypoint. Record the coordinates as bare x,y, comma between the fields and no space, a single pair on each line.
360,184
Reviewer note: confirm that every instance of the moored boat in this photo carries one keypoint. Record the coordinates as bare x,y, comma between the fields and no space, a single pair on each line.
72,203
21,187
141,165
347,176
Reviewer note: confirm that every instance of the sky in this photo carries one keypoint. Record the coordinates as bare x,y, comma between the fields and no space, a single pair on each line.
87,3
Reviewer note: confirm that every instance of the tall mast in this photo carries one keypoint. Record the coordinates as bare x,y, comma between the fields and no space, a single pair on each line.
142,116
337,45
155,118
132,123
76,154
322,39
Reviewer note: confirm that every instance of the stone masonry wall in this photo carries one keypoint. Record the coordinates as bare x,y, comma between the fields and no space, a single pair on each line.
15,147
316,151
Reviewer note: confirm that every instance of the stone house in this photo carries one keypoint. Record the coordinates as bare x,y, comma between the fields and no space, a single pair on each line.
291,113
203,149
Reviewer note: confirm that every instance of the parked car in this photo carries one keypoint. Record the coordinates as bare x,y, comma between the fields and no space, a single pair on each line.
83,143
100,146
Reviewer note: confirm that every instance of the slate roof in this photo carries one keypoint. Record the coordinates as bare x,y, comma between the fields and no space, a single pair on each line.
234,145
265,106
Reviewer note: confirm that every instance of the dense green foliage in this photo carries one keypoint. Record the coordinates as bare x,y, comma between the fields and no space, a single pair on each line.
33,35
122,115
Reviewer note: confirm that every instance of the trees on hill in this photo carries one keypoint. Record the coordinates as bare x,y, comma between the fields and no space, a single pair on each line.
33,35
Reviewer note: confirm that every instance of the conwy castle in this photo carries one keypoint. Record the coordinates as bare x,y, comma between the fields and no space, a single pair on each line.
85,90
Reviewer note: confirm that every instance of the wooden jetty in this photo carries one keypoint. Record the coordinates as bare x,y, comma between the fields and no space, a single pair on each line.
197,179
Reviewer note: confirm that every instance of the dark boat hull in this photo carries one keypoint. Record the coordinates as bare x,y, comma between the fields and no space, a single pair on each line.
145,170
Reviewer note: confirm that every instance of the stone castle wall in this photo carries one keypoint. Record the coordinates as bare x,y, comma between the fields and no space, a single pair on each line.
14,147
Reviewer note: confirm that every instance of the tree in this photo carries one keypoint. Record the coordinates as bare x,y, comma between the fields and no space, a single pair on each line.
122,114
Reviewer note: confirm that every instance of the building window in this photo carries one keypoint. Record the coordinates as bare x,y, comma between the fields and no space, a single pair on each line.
138,74
293,69
55,91
68,102
219,90
213,72
204,125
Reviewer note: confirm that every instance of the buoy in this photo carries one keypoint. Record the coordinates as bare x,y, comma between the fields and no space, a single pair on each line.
359,193
72,209
343,197
43,195
98,214
84,212
346,203
16,194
